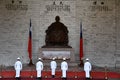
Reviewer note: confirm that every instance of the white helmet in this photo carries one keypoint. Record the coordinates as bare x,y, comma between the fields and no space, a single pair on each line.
54,58
87,59
39,59
18,58
64,58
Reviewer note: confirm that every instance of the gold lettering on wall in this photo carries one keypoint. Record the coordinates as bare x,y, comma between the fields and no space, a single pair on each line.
99,8
16,5
58,7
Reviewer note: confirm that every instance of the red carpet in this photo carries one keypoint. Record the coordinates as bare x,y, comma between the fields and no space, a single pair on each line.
48,79
70,74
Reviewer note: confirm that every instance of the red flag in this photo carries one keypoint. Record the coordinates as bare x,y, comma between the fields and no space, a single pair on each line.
81,43
30,42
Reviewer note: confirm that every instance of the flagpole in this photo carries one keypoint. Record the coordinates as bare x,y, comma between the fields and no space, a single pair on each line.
81,46
81,63
30,44
30,63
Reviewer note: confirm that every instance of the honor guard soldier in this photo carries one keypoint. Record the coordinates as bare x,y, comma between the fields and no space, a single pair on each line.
39,68
64,68
53,66
87,69
18,68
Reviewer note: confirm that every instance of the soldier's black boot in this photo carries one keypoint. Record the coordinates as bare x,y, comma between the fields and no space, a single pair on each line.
38,78
64,78
53,76
17,78
87,78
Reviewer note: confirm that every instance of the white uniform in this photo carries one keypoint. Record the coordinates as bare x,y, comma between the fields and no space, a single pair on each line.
64,68
53,66
39,68
87,69
18,68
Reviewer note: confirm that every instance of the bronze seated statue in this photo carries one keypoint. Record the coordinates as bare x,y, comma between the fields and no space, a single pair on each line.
57,35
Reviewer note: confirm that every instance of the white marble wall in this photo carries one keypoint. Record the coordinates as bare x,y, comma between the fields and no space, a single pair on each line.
100,21
99,30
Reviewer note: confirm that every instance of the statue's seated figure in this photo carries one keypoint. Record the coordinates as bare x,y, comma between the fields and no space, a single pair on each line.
56,34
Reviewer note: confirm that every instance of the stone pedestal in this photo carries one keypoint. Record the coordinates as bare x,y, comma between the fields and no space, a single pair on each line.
59,53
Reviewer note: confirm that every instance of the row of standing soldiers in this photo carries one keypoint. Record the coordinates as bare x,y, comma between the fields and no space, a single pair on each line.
53,65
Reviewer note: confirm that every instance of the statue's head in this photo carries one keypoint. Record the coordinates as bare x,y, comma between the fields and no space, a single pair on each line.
57,18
